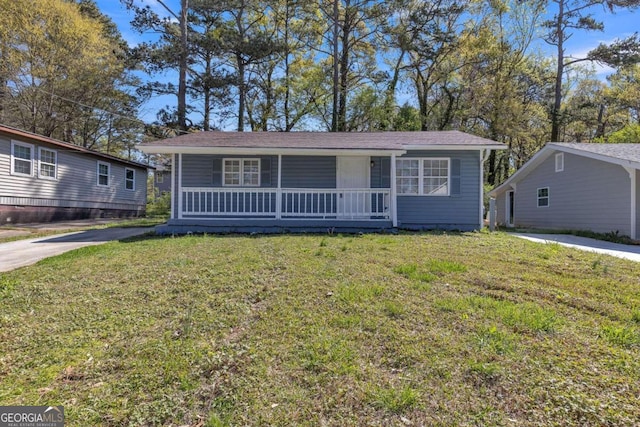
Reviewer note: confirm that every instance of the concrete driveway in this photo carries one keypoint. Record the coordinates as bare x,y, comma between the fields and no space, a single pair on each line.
29,251
631,252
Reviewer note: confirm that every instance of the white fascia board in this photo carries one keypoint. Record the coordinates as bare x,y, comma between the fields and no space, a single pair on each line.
455,147
596,156
245,151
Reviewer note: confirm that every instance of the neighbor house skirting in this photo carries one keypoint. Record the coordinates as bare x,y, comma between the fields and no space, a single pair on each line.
30,214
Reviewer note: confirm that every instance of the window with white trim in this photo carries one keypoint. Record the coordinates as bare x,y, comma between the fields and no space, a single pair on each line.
543,197
47,163
559,162
426,176
104,173
129,179
241,172
21,158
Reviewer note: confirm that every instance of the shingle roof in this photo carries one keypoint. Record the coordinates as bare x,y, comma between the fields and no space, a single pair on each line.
13,132
626,155
629,152
324,140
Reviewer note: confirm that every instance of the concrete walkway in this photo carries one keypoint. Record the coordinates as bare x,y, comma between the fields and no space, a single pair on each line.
631,252
29,251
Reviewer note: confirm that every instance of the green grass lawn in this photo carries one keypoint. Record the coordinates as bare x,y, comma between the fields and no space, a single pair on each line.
410,329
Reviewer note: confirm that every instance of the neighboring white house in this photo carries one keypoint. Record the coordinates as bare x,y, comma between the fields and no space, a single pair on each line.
42,179
575,186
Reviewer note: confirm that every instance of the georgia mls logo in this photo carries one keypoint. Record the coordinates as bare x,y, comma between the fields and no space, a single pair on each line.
31,416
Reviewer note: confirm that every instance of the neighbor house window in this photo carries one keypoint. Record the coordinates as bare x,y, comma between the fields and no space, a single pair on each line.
104,171
559,162
129,179
21,159
48,163
242,172
543,197
427,177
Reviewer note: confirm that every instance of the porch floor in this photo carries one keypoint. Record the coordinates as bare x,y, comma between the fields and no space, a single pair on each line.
273,226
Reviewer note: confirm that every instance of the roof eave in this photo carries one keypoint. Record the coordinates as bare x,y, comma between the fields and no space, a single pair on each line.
595,156
455,147
168,149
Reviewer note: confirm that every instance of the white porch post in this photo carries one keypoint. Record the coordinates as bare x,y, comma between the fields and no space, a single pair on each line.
483,157
174,166
180,186
279,190
393,201
634,202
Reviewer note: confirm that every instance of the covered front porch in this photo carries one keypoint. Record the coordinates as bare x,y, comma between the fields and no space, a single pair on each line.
266,192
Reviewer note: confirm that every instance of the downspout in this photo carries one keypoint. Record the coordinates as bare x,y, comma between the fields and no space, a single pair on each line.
634,202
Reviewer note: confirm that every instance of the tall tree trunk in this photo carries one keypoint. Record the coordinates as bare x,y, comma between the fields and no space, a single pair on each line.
182,78
336,29
241,92
557,102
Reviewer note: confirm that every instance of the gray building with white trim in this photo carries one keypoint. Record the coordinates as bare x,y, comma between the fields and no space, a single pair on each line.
318,181
574,186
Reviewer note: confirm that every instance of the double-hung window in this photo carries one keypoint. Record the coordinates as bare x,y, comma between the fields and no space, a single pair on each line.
21,159
48,163
543,197
104,172
241,172
426,177
129,179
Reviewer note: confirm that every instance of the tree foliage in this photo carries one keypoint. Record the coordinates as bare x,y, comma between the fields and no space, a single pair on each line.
63,71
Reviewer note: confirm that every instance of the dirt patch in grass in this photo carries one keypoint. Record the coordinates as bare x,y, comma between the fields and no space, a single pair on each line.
414,329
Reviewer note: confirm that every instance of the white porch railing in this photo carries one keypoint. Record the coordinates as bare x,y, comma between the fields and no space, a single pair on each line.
299,203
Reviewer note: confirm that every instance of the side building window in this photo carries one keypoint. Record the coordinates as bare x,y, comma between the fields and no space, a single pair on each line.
241,172
21,158
129,179
559,162
48,163
104,173
425,177
543,197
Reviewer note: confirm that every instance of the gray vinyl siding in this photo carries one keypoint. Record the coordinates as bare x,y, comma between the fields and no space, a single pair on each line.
501,208
587,195
308,172
381,172
76,183
203,170
459,211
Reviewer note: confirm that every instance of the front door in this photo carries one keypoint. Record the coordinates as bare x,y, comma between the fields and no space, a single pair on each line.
352,175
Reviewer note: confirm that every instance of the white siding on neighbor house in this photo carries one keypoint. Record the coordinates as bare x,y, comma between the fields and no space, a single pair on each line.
76,183
587,195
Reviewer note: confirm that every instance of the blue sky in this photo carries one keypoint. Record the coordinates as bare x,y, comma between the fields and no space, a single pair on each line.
618,25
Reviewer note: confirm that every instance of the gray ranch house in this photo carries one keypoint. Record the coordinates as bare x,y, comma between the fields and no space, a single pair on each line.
575,186
42,180
319,181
